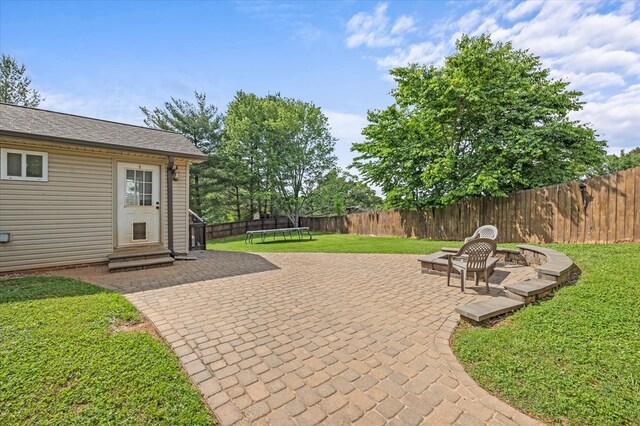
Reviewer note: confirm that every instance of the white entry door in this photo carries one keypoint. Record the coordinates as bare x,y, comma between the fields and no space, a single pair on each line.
138,204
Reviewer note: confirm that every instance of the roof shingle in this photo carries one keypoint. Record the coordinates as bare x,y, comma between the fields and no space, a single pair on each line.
49,125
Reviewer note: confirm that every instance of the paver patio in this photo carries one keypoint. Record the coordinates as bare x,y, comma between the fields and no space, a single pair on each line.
308,338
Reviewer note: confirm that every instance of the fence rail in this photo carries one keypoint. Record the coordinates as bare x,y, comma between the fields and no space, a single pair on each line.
231,229
603,209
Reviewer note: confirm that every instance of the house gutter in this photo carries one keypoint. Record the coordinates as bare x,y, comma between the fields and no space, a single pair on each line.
113,147
170,167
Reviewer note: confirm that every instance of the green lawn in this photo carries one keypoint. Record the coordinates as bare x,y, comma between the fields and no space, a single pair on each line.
572,359
332,243
63,362
576,357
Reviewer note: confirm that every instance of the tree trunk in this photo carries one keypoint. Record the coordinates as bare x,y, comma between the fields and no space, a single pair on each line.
238,203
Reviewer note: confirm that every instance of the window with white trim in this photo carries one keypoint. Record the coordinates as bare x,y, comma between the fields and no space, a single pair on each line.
18,164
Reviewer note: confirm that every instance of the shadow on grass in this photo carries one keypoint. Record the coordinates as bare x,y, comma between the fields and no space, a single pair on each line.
276,242
43,287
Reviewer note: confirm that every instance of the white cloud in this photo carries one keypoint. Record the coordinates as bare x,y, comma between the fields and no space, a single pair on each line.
617,118
422,53
372,29
347,128
593,45
590,81
602,58
523,9
403,24
628,7
308,33
597,51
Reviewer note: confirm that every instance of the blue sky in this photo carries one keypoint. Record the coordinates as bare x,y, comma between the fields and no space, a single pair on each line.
105,59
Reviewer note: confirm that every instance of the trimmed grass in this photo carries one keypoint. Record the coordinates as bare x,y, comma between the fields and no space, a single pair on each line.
576,357
572,359
62,362
333,243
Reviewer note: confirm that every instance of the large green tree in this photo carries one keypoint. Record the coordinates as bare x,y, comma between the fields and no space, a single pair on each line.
15,85
278,151
201,124
299,152
244,147
488,122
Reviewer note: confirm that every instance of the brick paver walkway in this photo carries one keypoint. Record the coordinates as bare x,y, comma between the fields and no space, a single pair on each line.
315,338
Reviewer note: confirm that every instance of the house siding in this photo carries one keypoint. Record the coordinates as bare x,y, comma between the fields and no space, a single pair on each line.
71,218
180,208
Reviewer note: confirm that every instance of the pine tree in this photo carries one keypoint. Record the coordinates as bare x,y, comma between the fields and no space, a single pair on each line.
14,84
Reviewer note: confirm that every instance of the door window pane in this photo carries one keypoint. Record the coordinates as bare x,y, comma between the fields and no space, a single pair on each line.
139,188
14,164
131,193
34,165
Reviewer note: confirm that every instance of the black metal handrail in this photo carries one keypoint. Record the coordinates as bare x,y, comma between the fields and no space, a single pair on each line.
197,232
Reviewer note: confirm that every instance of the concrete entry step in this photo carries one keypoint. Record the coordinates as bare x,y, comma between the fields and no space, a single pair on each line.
149,253
480,311
530,290
143,257
130,265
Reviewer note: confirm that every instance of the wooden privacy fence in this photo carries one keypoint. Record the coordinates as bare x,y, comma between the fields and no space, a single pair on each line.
230,229
603,209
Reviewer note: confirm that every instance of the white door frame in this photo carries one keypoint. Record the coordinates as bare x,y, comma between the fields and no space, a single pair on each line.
138,213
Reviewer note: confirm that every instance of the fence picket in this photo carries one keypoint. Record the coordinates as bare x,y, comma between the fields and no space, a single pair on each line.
551,214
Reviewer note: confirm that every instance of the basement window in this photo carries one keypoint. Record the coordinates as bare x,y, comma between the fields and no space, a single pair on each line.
17,164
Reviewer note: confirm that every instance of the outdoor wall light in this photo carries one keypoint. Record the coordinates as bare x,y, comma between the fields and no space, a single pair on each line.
5,237
585,196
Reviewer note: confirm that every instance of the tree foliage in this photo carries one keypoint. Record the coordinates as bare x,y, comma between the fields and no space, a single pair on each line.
279,148
299,152
626,160
268,155
15,85
340,193
202,125
490,121
245,148
199,122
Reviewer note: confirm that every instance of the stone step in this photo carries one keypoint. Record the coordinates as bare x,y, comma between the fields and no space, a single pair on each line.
529,290
140,264
125,255
449,249
438,263
504,254
556,266
481,311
